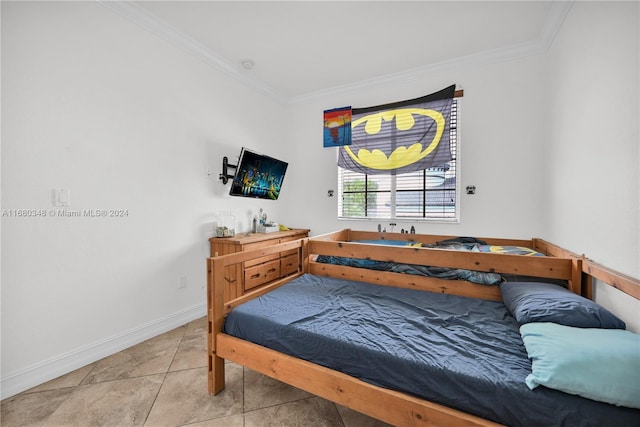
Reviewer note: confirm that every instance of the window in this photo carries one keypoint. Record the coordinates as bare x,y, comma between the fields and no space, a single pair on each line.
428,194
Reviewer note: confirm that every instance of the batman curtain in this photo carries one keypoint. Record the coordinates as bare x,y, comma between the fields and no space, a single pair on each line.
401,137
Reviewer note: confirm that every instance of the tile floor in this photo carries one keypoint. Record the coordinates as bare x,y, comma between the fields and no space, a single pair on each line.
163,382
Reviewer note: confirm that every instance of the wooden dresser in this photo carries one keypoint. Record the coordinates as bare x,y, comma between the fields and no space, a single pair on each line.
254,273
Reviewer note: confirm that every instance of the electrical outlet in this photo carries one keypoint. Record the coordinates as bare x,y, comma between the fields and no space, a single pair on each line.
183,282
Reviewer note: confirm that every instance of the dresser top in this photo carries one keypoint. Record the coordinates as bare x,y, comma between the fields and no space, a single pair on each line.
244,238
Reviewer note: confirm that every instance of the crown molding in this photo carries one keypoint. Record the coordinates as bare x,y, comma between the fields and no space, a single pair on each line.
553,22
485,57
145,19
555,19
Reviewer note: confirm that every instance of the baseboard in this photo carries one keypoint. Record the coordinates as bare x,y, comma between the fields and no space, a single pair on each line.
47,370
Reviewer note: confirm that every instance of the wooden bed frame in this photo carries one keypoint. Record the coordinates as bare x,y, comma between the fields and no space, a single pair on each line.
387,405
342,243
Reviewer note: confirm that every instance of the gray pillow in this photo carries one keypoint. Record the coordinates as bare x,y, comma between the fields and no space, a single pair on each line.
532,302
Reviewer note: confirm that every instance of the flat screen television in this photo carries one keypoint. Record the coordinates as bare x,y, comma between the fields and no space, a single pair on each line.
258,176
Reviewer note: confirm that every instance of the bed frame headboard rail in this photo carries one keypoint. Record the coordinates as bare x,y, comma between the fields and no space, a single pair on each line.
549,267
545,267
348,235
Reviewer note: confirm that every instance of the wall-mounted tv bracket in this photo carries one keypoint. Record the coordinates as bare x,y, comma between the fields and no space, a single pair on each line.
224,176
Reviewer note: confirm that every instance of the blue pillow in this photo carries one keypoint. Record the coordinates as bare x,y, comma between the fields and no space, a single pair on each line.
544,302
599,364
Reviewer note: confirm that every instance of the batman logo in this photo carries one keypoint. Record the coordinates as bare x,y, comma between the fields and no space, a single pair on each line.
405,154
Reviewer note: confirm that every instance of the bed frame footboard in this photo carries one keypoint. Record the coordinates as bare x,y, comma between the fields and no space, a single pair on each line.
387,405
217,307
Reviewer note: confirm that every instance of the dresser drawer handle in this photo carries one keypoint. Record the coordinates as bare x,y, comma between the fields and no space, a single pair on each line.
271,270
255,276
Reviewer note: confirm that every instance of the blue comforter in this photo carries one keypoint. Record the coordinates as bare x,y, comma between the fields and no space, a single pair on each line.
461,352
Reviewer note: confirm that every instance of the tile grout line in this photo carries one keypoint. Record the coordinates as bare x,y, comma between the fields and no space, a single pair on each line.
155,398
173,358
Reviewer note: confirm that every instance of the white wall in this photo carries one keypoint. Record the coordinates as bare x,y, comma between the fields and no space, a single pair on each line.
593,154
592,186
95,104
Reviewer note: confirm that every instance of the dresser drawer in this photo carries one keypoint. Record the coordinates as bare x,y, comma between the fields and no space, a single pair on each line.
261,273
260,245
289,264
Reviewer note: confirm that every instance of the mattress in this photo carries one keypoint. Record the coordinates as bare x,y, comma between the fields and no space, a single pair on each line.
464,353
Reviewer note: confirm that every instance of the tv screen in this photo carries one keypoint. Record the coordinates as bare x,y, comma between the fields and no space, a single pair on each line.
258,176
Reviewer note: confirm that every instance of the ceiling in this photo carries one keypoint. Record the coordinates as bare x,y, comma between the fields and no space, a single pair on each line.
305,48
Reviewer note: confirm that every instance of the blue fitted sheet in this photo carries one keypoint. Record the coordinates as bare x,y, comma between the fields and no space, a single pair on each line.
461,352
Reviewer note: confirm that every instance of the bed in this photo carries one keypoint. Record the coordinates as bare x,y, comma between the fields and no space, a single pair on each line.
401,392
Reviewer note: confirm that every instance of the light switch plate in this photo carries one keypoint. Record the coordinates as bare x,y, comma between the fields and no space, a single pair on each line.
61,197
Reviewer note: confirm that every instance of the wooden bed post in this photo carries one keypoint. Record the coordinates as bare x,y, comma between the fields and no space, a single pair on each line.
215,306
303,252
550,249
576,276
587,286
